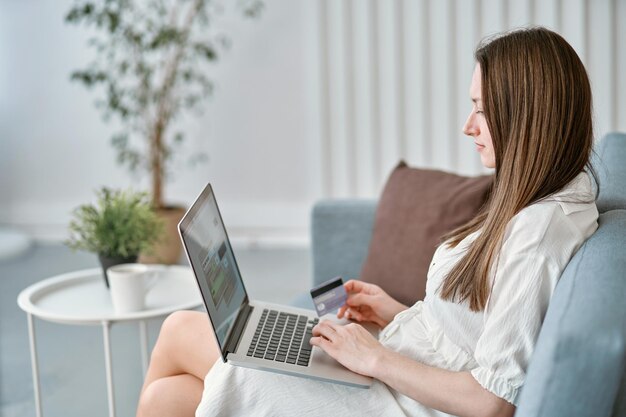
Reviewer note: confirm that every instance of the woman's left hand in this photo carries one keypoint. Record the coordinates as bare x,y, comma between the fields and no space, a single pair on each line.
350,344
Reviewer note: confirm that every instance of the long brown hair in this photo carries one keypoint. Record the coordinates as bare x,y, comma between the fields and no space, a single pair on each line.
537,103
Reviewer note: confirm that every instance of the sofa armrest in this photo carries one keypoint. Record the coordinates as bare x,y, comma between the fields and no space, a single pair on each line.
340,234
579,365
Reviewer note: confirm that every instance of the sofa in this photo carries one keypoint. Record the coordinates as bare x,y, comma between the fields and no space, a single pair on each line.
579,364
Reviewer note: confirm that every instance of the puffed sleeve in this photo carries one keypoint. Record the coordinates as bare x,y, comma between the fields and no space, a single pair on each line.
528,269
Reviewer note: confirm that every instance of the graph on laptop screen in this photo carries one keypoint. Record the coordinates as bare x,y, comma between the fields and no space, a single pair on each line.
212,258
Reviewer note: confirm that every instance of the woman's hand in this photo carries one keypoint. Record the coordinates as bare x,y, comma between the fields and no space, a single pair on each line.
368,302
351,345
356,349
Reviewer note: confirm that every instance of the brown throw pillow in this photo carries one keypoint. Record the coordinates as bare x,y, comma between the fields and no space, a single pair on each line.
417,207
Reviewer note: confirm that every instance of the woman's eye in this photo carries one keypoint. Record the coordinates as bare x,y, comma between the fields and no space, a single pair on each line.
479,111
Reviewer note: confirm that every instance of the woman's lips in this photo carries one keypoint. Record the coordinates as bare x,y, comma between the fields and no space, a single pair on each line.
479,146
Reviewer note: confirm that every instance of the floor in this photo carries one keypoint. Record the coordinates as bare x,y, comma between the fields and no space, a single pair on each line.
71,358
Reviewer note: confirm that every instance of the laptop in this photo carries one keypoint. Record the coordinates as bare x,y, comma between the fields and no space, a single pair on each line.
251,333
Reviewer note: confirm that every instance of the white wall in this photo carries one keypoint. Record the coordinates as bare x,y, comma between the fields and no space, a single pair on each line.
396,75
258,128
286,125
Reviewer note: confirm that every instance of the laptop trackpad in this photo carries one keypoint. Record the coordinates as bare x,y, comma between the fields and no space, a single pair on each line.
372,328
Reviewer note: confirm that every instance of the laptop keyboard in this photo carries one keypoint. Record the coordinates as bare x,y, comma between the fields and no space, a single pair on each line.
283,337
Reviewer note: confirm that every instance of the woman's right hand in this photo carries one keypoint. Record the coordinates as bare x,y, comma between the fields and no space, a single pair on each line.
368,302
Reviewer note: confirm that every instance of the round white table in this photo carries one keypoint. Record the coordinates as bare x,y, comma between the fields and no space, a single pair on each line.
81,298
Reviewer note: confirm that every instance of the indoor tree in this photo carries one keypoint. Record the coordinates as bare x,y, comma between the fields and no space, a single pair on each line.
151,62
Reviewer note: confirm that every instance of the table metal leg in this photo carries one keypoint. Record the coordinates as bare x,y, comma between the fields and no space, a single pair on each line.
143,339
34,363
106,326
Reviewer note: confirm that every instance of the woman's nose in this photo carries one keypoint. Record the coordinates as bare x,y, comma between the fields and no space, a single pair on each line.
470,128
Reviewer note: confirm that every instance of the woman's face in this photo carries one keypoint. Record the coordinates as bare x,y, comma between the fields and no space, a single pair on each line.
476,124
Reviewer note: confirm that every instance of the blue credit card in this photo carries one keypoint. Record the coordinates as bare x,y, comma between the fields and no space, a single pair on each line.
329,296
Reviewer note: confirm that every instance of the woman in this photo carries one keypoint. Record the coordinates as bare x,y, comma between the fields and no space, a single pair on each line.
465,349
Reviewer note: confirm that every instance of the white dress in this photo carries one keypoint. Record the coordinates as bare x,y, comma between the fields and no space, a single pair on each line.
495,345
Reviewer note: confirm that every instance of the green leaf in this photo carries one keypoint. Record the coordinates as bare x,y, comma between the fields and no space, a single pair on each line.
89,77
206,51
113,21
120,141
165,36
78,13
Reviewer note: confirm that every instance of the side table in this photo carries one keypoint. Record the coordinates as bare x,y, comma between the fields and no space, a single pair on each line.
81,298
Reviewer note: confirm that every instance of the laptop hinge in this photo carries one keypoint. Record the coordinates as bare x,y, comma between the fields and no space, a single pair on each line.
240,325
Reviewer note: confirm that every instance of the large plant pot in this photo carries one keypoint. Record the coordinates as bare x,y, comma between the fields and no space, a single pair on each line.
169,249
107,262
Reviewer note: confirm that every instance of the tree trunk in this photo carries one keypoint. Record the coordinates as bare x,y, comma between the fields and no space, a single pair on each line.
164,112
157,166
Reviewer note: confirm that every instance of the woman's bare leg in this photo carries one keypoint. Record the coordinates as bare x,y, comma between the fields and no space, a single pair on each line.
184,353
171,396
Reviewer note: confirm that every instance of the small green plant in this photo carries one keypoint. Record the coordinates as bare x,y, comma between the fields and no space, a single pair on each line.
121,224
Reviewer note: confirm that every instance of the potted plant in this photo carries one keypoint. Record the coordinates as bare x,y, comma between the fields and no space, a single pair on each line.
152,58
117,228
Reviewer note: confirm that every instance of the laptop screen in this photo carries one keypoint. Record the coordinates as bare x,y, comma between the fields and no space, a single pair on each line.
213,262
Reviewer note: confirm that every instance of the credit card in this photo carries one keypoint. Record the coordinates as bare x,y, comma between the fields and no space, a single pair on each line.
329,296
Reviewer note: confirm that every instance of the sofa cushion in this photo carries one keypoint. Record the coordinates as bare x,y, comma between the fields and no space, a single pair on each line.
580,356
340,233
416,208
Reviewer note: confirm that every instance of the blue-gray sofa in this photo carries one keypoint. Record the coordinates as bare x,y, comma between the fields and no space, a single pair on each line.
579,365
